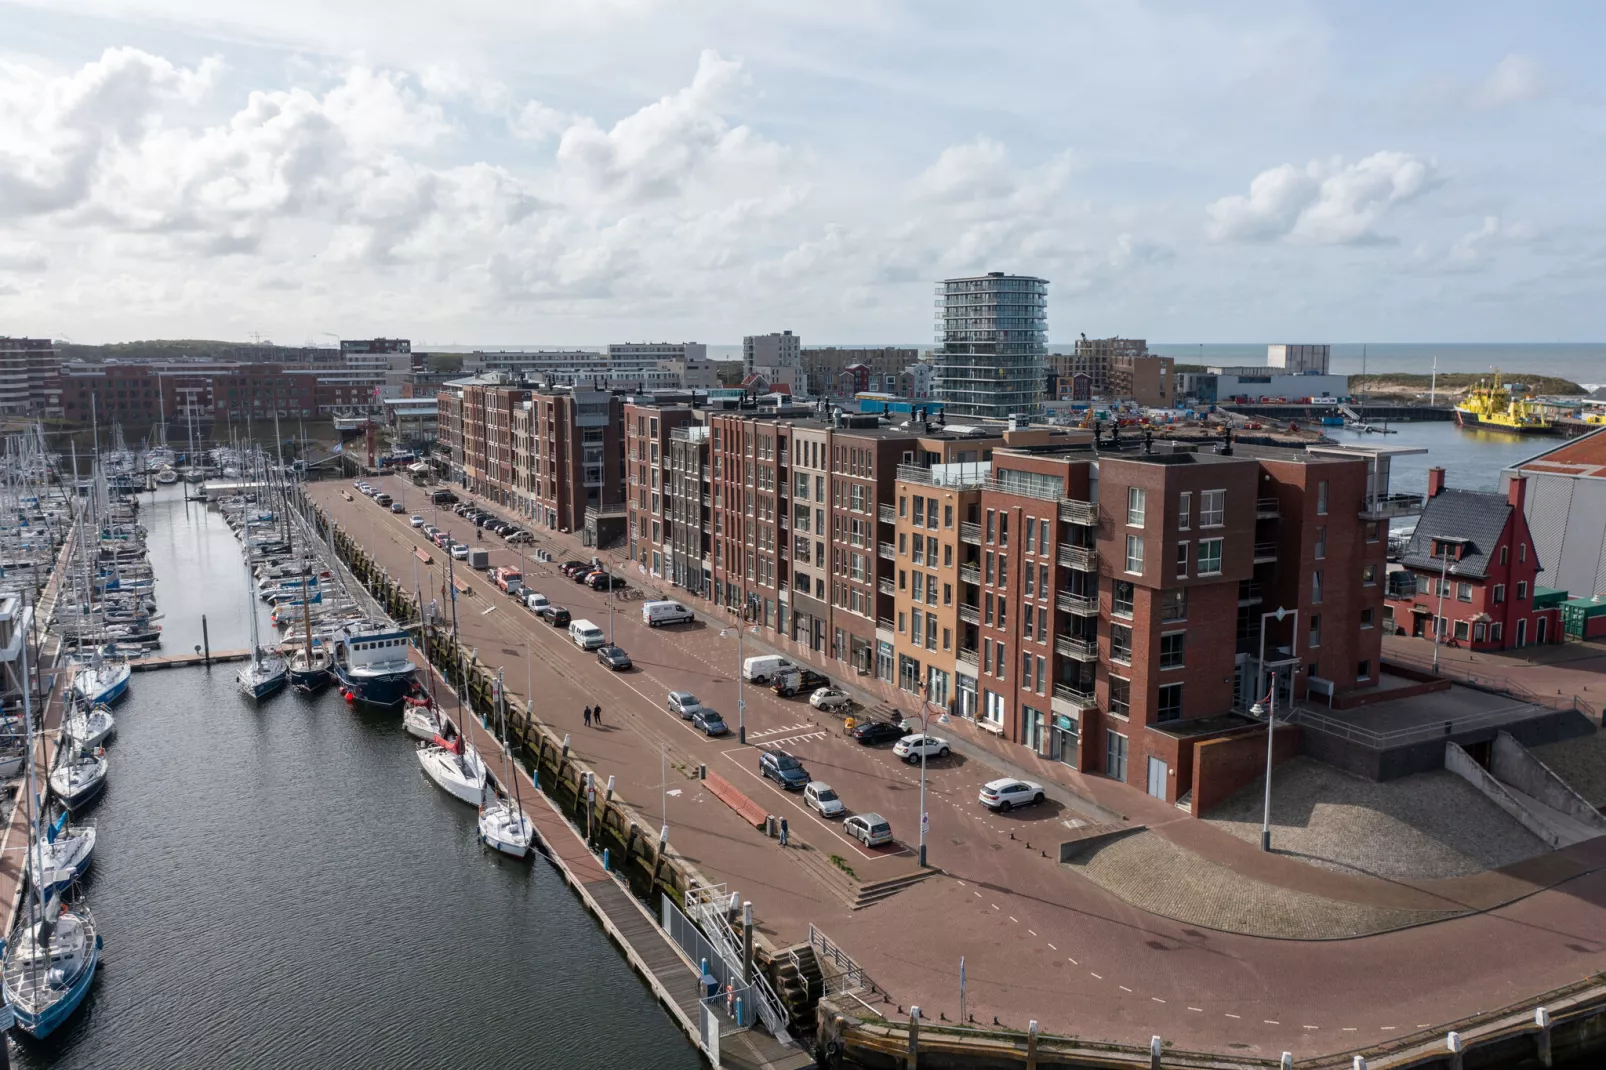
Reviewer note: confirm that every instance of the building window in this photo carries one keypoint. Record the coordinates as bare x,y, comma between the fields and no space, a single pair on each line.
1368,575
1184,510
1182,560
1212,508
1134,555
1463,630
1321,498
1363,671
1115,756
1321,543
1522,590
1171,647
1315,631
1136,505
992,707
1120,696
1522,551
1003,529
1505,555
1316,587
1000,664
1174,604
1026,670
1366,618
1121,598
1031,534
1463,592
1170,708
992,519
1499,593
947,516
1210,557
1121,643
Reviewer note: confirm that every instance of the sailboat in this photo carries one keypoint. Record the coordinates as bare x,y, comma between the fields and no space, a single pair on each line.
102,683
166,476
79,776
89,728
455,767
419,718
309,665
503,825
267,672
64,856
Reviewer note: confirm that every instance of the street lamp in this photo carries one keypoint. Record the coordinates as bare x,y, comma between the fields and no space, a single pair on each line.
1438,620
1270,713
925,715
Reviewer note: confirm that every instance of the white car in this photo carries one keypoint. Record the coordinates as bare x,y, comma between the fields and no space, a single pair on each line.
416,521
1005,794
912,748
822,797
872,830
535,601
830,698
460,551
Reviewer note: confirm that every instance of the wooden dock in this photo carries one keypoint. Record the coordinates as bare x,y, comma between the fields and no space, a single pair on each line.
180,661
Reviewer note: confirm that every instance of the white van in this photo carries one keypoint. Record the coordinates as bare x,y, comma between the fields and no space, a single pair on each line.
656,613
762,669
586,636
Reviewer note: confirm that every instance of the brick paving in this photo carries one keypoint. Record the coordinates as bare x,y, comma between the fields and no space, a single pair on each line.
1426,826
1202,893
1040,941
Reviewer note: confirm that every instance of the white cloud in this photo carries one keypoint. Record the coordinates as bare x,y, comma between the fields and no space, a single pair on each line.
22,255
1516,78
537,122
1476,247
1325,203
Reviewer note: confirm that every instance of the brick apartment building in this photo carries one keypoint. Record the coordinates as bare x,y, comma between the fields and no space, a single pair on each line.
1116,368
650,520
1476,571
30,374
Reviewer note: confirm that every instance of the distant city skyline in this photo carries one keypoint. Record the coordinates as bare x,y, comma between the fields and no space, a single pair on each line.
634,169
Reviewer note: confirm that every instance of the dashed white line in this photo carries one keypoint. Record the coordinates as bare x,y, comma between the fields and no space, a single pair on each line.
1072,961
1015,919
1096,976
1385,1027
1051,947
1032,931
1197,1010
1233,1015
1123,988
976,894
1310,1027
1157,999
1349,1028
1268,1021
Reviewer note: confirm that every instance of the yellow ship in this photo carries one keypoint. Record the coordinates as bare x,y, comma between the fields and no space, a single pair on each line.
1491,405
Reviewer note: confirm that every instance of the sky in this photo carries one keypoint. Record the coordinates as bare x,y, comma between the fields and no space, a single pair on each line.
484,172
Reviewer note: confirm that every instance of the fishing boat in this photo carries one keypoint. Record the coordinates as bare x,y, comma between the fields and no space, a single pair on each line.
89,728
455,767
1498,406
503,825
78,777
63,857
267,672
102,683
372,664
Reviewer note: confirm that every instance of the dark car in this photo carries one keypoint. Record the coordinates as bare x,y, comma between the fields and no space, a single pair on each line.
568,567
583,575
710,723
605,581
614,658
556,616
784,769
872,732
791,682
443,497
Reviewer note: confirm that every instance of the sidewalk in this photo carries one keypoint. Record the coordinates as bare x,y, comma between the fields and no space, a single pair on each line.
1555,674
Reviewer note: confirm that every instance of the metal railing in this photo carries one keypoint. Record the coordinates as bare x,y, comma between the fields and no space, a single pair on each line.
1267,508
969,655
970,614
1248,592
1080,604
970,531
1085,558
840,973
970,574
1486,681
707,907
1265,551
1073,511
1401,737
884,623
887,550
886,585
1385,506
886,513
1073,647
1082,700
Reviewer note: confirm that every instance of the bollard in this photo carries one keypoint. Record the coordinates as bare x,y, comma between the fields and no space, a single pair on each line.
1452,1041
206,643
605,866
702,772
1287,1061
1542,1041
565,744
747,942
1031,1045
914,1039
608,795
1359,1063
737,1014
1154,1053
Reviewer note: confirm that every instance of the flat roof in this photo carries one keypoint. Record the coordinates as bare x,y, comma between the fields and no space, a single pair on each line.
1583,457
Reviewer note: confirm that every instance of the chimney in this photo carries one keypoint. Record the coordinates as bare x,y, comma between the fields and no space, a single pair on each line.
1517,491
1435,481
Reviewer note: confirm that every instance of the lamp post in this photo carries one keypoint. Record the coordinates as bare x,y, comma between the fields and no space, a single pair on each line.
1438,617
925,723
1271,714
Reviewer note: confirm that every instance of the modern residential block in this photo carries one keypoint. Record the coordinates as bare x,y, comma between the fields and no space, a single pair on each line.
992,329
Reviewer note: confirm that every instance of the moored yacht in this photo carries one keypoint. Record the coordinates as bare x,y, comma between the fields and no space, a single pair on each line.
89,728
78,777
64,855
455,767
373,666
102,684
49,965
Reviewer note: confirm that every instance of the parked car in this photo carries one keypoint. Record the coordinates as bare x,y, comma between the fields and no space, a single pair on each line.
614,657
870,733
518,535
762,669
382,500
606,581
822,797
683,703
556,616
1006,794
784,769
583,575
397,507
709,722
872,829
460,551
416,521
586,635
830,698
568,567
443,497
656,613
789,682
911,748
535,601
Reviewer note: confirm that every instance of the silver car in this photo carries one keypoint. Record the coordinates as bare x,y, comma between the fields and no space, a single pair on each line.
683,703
872,830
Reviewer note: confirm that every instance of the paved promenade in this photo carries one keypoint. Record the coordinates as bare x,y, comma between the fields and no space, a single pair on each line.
1040,941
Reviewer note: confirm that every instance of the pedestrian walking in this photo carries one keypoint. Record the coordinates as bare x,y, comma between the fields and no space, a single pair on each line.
588,716
596,715
785,835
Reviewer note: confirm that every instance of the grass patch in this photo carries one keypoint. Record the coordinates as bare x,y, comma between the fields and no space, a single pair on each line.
842,863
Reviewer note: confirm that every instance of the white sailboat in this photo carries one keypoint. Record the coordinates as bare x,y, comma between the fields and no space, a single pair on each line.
503,825
64,855
89,728
420,720
267,672
455,767
78,777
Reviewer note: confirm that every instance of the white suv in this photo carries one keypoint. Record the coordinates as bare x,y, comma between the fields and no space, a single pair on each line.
1006,794
911,748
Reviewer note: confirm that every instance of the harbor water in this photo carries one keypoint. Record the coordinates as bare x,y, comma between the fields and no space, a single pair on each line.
280,887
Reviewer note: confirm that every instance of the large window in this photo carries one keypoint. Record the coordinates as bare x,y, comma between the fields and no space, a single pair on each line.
1115,756
1174,604
1171,647
1212,508
1170,707
1121,643
1209,557
1184,510
1121,598
1321,498
1137,500
1182,560
1120,696
1134,555
1316,587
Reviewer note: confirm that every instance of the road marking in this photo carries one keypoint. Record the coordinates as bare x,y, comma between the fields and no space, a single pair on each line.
995,906
962,884
976,894
1197,1010
1072,961
1015,920
1051,947
1032,931
1310,1027
1349,1029
1233,1015
833,830
1123,988
1268,1021
1157,999
1385,1027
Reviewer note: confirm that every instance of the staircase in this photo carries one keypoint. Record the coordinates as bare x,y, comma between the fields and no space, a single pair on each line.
848,888
800,983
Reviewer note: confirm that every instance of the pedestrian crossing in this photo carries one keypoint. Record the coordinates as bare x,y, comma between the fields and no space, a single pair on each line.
789,741
782,731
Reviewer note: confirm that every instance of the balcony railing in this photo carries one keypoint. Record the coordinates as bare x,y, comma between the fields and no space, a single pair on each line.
968,655
884,624
1266,508
888,551
1077,700
970,574
1386,506
1072,647
1082,605
1248,593
970,531
1085,558
969,613
886,513
886,585
1265,552
1078,512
